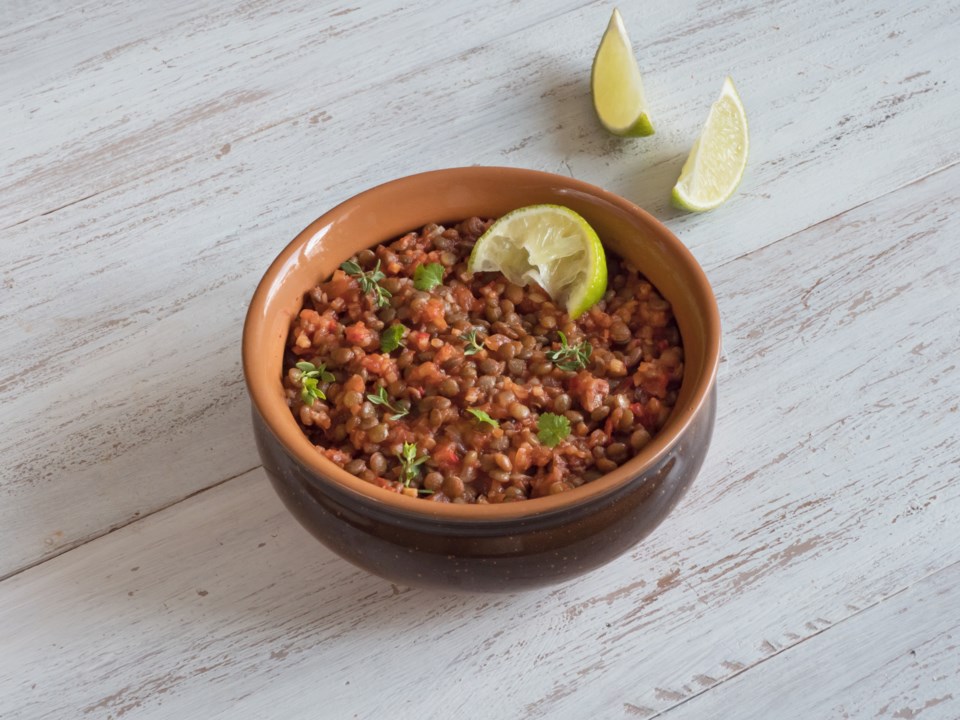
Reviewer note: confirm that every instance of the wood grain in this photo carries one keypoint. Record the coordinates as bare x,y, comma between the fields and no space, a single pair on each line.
897,659
138,92
829,491
157,161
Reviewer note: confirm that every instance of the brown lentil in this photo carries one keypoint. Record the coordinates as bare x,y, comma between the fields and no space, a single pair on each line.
614,405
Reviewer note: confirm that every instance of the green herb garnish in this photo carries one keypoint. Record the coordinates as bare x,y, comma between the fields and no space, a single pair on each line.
427,277
483,417
369,281
390,339
310,375
473,346
380,398
569,357
410,463
553,429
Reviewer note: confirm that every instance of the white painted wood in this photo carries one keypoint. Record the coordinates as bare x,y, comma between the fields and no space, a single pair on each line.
143,90
140,288
829,490
898,659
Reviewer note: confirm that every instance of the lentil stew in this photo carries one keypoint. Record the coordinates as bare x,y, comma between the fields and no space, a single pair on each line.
421,378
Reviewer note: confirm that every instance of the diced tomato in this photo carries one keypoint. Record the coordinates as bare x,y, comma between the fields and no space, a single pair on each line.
360,335
520,391
652,379
590,390
336,456
445,353
340,285
378,364
463,297
309,317
445,455
428,372
433,313
418,340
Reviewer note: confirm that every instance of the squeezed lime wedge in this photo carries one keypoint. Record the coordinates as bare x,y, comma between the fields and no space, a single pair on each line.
550,245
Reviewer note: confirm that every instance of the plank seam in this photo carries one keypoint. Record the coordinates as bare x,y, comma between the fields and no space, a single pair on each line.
371,88
787,648
882,195
118,526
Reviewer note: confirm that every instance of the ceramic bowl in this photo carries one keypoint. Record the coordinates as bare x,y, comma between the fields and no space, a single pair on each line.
502,547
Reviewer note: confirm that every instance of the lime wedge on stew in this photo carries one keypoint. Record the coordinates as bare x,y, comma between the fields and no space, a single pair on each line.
716,162
616,84
552,246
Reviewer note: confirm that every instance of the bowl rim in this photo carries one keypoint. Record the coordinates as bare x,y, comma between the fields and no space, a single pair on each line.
273,410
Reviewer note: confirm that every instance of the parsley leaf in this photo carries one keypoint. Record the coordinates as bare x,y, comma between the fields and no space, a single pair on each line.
483,417
427,277
553,429
473,345
391,338
381,398
570,358
369,281
310,376
410,463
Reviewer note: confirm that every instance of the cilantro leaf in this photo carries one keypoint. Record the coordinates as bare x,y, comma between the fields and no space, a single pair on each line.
483,417
391,338
427,277
553,429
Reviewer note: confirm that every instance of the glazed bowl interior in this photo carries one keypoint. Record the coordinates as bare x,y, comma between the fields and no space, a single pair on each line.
445,196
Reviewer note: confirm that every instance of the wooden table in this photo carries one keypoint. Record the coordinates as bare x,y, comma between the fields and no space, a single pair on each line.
156,156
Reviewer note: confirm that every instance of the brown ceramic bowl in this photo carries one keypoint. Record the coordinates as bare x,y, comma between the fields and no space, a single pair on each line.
502,547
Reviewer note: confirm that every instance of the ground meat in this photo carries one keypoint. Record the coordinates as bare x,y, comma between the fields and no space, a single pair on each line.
450,411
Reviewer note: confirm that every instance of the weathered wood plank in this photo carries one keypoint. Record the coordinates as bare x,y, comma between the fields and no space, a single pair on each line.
136,92
17,15
898,659
179,226
829,489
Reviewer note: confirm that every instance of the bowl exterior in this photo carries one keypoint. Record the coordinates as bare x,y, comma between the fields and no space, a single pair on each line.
487,556
508,546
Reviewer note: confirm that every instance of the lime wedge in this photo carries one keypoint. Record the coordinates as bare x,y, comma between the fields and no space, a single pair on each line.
616,84
717,159
550,245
